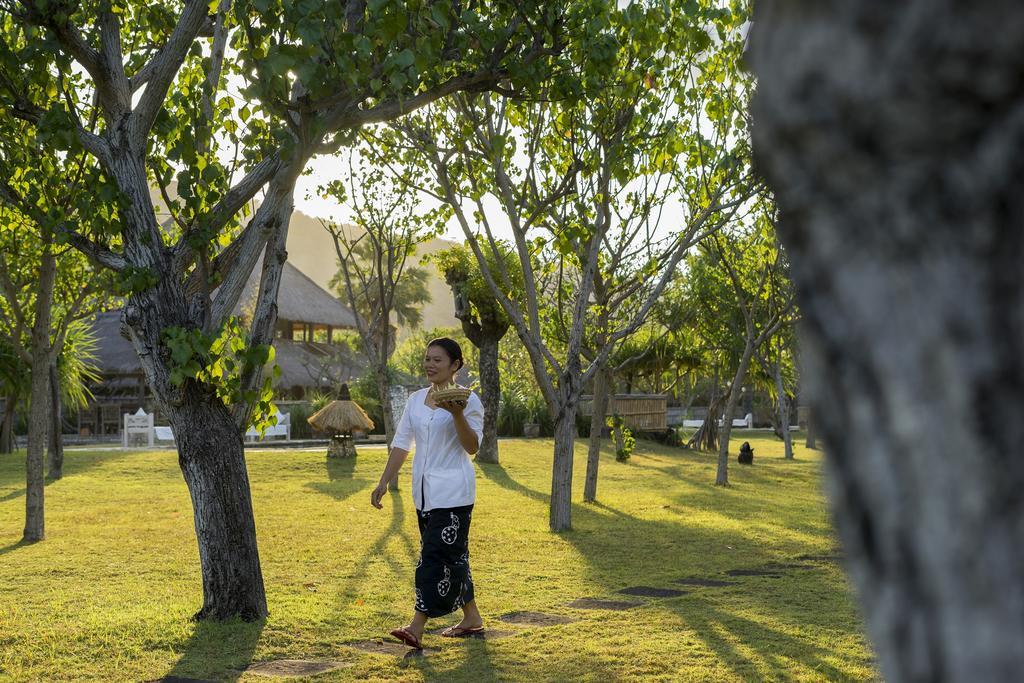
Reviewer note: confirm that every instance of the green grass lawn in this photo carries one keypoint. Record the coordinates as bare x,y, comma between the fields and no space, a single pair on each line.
108,595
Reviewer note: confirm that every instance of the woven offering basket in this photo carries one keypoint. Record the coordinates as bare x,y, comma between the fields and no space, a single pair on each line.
451,394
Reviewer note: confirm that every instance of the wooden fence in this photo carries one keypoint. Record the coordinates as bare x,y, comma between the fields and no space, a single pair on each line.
641,412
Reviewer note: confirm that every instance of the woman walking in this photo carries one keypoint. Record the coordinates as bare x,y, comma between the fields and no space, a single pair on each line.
445,433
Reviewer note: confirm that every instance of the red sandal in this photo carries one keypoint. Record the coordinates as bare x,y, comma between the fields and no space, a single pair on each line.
409,639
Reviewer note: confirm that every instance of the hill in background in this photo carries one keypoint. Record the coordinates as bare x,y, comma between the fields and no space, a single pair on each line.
311,250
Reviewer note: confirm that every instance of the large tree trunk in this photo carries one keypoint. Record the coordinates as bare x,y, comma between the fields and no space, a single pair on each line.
560,518
56,446
39,412
603,386
212,459
783,411
210,450
7,426
490,395
722,475
890,133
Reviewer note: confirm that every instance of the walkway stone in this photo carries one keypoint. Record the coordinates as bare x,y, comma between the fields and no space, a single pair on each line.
294,668
488,634
649,592
822,558
383,647
787,565
772,573
536,618
706,583
596,603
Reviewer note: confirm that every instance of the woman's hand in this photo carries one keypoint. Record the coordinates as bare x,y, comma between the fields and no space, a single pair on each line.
377,494
453,407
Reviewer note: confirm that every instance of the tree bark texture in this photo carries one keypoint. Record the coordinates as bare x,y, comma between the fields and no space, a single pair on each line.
782,404
209,435
39,407
490,396
212,459
733,398
560,517
603,386
56,445
891,136
7,426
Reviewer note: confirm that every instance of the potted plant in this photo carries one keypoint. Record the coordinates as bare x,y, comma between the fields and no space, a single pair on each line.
531,427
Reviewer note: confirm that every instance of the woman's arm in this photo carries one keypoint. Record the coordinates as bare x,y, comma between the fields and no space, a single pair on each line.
467,437
395,460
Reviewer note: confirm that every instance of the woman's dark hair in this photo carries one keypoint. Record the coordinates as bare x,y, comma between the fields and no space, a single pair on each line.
451,347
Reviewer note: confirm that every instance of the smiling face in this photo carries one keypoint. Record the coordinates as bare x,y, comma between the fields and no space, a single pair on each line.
438,366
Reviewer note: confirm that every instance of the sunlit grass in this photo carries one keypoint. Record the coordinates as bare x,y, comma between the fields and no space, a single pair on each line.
108,595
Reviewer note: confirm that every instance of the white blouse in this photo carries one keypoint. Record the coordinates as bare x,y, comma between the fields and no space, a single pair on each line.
442,474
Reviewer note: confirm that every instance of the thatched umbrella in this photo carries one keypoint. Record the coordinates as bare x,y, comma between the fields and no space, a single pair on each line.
339,418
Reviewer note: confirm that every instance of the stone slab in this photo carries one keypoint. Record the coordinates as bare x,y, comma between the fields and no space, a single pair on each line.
776,566
488,634
651,592
294,668
383,647
821,558
705,583
535,618
772,573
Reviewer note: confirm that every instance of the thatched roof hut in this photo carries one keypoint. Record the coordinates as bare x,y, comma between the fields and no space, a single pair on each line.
307,318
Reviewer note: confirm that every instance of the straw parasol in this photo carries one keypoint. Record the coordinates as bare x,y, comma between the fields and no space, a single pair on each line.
339,418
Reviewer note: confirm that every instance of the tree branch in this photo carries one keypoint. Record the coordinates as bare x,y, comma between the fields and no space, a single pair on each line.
222,212
163,67
98,253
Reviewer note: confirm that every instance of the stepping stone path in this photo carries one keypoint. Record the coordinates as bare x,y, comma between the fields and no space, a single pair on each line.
595,603
821,558
535,618
774,566
381,647
488,634
294,668
179,679
773,573
648,592
706,583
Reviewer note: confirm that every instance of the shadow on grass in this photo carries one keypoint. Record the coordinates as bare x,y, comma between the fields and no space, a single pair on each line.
477,665
341,480
621,549
14,546
360,570
340,468
12,468
218,650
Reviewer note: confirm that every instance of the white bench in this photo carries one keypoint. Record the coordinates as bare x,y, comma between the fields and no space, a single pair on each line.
137,424
747,422
163,434
282,428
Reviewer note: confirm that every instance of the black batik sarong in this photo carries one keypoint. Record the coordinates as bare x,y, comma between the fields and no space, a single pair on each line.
443,580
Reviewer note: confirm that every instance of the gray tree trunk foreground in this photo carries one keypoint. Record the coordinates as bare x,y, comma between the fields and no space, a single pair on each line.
891,134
